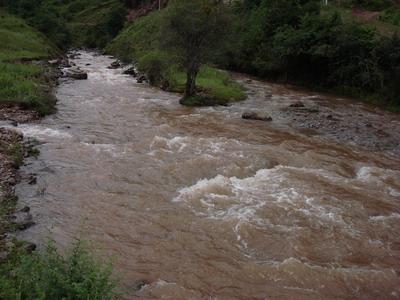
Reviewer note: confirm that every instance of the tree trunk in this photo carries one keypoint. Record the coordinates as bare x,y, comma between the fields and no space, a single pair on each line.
191,76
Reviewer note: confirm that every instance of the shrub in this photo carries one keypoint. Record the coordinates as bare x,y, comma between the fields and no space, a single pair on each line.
156,66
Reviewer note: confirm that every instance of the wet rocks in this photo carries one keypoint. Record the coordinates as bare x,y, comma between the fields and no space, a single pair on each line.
141,78
114,65
131,71
22,219
256,116
65,63
268,96
75,73
15,114
74,55
297,104
29,247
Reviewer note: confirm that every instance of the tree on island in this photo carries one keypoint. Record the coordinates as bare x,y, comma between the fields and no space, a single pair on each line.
193,30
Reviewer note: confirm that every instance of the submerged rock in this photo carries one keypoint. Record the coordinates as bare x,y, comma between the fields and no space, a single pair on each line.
256,116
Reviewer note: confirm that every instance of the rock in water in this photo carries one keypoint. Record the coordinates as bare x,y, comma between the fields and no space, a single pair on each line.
256,116
114,65
76,73
131,71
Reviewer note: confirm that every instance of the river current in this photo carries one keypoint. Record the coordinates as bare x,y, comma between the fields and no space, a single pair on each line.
202,204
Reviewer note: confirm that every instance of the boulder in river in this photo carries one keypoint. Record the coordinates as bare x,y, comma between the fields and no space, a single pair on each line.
76,73
256,116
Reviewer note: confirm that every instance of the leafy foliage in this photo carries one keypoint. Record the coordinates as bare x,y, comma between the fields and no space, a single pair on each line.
292,40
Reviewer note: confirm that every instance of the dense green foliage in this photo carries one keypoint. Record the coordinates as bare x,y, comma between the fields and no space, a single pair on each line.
48,275
143,42
292,40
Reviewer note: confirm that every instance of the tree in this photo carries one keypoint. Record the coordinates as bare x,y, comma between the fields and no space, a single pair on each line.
194,29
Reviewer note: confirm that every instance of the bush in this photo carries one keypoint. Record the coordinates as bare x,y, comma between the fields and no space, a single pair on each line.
50,276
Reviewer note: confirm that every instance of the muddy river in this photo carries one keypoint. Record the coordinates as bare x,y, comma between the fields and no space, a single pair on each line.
201,204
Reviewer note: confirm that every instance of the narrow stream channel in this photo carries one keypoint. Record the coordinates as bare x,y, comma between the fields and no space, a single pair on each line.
205,205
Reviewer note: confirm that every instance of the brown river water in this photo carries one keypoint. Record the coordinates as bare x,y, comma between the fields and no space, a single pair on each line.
202,204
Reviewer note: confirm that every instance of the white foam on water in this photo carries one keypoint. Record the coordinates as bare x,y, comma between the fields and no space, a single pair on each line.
245,200
115,150
393,216
380,178
394,192
197,146
42,133
375,174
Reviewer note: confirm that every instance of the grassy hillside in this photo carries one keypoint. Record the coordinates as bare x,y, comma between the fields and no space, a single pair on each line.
20,41
21,82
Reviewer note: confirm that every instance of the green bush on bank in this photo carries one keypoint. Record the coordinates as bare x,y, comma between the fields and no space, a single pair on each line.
48,275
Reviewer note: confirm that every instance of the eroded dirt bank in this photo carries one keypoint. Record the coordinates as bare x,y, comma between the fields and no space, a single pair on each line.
197,203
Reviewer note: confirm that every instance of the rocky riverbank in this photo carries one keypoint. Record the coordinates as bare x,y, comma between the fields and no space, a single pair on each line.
13,150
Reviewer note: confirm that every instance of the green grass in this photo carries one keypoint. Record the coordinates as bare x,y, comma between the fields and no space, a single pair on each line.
213,83
21,83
